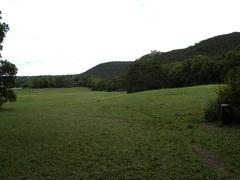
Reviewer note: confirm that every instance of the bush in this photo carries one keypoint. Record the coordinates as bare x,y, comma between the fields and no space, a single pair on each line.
229,94
212,112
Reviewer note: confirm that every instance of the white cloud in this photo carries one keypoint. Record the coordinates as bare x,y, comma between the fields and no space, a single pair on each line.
70,36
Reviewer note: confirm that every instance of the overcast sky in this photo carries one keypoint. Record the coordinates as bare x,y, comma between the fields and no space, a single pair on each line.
71,36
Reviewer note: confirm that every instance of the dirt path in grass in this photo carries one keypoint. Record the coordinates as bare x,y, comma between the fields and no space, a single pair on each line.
213,161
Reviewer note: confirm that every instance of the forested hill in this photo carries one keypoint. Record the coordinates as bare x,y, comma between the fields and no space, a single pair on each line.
215,46
207,62
107,70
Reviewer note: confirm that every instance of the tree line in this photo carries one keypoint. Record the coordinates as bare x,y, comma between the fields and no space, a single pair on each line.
194,71
208,61
8,71
147,75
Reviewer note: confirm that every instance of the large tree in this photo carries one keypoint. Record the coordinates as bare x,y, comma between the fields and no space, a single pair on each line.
8,71
3,30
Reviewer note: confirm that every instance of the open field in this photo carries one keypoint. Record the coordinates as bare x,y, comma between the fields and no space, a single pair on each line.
79,134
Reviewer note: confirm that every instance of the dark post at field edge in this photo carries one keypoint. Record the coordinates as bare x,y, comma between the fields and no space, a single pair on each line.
227,114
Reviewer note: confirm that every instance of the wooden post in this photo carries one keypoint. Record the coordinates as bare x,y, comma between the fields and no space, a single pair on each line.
227,116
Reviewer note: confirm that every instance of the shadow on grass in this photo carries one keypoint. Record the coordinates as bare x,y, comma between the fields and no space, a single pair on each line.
219,124
2,109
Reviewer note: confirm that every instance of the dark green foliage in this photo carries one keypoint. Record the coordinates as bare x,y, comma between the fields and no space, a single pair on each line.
154,75
216,46
203,63
212,111
107,70
3,30
106,76
98,84
7,82
47,81
145,75
198,70
7,72
207,62
230,94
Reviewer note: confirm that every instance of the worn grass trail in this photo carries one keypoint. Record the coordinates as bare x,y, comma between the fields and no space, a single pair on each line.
79,134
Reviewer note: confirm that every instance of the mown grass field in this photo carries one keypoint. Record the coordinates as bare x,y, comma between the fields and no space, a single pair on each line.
79,134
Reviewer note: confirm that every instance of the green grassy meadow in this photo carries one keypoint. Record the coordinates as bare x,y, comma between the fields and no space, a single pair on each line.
76,133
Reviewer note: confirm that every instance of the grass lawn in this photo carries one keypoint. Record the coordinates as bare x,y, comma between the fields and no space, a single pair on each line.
80,134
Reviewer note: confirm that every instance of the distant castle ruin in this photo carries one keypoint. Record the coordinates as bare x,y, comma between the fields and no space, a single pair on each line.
155,52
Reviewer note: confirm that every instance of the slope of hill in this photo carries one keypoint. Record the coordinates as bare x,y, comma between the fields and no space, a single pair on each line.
207,62
220,54
215,46
107,70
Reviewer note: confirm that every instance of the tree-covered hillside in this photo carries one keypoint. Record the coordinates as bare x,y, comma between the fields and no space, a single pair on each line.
107,70
206,62
215,46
